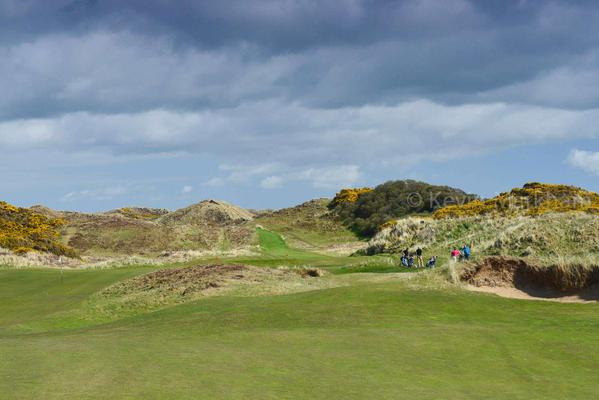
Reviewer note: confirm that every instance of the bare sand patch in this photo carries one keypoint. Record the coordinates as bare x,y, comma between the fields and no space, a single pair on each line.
517,278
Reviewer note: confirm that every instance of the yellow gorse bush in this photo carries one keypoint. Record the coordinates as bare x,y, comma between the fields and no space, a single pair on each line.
348,196
23,230
532,199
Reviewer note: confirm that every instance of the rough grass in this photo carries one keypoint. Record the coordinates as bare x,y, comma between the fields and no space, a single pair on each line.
171,286
207,226
549,239
113,234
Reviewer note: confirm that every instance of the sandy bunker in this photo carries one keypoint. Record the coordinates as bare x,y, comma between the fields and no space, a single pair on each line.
516,278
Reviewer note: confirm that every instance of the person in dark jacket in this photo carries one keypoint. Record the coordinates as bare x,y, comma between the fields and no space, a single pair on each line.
405,258
431,262
419,259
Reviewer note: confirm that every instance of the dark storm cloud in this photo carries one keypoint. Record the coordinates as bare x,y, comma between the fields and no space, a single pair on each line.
126,56
276,25
65,63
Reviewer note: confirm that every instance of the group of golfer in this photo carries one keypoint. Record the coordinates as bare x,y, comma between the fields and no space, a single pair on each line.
416,260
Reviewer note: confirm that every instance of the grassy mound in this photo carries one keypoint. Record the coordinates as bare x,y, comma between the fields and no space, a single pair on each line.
23,230
550,238
531,199
173,286
369,210
208,211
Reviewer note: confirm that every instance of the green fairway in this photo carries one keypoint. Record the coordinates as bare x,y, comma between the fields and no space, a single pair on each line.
275,252
273,243
384,341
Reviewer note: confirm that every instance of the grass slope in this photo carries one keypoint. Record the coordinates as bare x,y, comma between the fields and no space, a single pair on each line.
26,296
384,341
562,238
309,225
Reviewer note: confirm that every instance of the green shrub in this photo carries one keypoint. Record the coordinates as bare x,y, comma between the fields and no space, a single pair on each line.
391,200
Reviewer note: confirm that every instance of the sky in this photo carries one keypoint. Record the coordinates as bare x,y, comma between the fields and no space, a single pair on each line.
269,103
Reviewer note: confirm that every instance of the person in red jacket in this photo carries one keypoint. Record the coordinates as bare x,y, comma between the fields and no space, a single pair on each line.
455,254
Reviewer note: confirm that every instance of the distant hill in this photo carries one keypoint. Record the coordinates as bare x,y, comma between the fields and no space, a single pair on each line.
337,226
208,225
208,211
532,199
365,211
23,230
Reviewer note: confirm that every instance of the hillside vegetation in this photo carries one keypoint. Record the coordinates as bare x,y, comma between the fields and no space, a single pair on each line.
532,199
23,230
550,236
141,212
366,211
549,223
347,196
310,226
209,225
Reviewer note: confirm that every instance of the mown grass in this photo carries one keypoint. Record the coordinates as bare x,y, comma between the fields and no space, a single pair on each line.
383,341
388,338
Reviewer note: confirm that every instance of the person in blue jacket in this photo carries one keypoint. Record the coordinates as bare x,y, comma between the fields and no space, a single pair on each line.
466,251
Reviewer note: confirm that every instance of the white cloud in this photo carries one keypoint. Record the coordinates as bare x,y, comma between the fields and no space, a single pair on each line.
187,189
277,134
245,173
331,177
95,194
271,182
585,160
214,182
